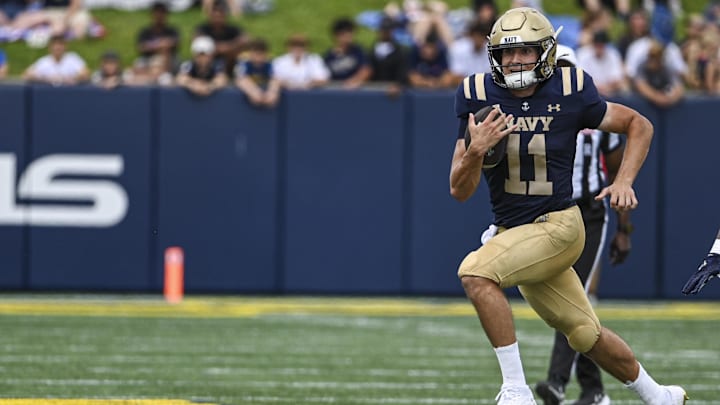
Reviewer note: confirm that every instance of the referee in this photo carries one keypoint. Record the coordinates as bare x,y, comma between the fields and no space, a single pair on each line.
595,149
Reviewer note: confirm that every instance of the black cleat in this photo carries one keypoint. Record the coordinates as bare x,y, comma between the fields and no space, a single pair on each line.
550,392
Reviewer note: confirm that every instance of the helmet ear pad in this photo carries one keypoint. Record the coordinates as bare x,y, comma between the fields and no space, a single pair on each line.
521,27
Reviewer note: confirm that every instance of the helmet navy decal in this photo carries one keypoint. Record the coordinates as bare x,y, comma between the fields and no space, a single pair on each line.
511,40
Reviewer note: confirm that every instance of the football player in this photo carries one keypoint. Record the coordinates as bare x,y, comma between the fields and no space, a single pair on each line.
709,269
540,229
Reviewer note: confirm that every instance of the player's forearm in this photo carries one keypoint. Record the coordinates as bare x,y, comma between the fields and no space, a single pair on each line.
639,136
465,176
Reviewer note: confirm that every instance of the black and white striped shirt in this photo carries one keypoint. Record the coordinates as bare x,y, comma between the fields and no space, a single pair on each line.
588,173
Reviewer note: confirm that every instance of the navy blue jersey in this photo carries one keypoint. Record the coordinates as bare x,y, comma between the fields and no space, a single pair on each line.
208,73
435,67
153,33
345,65
536,175
258,73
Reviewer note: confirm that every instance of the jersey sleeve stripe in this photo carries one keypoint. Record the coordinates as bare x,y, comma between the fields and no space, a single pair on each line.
466,87
566,81
580,79
480,87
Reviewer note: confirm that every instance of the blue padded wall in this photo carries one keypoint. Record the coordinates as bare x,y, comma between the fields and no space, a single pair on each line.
443,230
217,190
84,120
344,184
331,192
637,277
691,217
12,144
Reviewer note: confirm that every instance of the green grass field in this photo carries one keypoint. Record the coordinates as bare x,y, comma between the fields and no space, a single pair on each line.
312,17
123,350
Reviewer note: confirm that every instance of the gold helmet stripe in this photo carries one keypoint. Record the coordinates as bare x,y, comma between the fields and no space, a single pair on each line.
466,87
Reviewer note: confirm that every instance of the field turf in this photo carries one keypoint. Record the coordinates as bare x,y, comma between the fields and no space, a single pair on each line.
92,350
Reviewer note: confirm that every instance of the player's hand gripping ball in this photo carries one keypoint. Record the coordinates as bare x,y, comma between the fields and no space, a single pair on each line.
496,153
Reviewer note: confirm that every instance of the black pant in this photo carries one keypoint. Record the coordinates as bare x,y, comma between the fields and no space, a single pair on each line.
563,356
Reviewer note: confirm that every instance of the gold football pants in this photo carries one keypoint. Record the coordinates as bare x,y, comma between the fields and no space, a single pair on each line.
538,258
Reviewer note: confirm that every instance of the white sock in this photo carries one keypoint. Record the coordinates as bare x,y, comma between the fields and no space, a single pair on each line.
510,364
648,390
716,247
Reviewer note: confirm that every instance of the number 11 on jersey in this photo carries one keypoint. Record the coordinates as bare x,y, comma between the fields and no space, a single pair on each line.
536,148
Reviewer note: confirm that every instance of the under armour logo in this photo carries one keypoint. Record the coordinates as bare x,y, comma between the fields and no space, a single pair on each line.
525,106
552,108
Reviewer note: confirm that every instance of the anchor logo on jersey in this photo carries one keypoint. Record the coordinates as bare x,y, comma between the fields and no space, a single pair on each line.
525,106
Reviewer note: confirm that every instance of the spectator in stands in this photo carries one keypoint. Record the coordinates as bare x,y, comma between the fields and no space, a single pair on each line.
604,63
712,12
639,50
255,77
419,19
388,60
619,7
662,18
675,6
234,7
400,21
656,81
429,65
238,8
229,39
469,54
65,17
637,26
59,67
431,20
536,4
203,74
485,11
592,22
694,29
110,74
346,59
700,51
9,9
3,65
157,45
299,69
711,70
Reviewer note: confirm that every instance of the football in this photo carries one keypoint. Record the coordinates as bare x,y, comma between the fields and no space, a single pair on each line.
495,154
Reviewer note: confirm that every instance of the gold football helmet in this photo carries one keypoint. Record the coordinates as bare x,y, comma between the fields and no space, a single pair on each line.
520,27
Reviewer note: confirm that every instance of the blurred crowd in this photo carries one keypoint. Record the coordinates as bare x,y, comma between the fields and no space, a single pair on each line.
418,44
